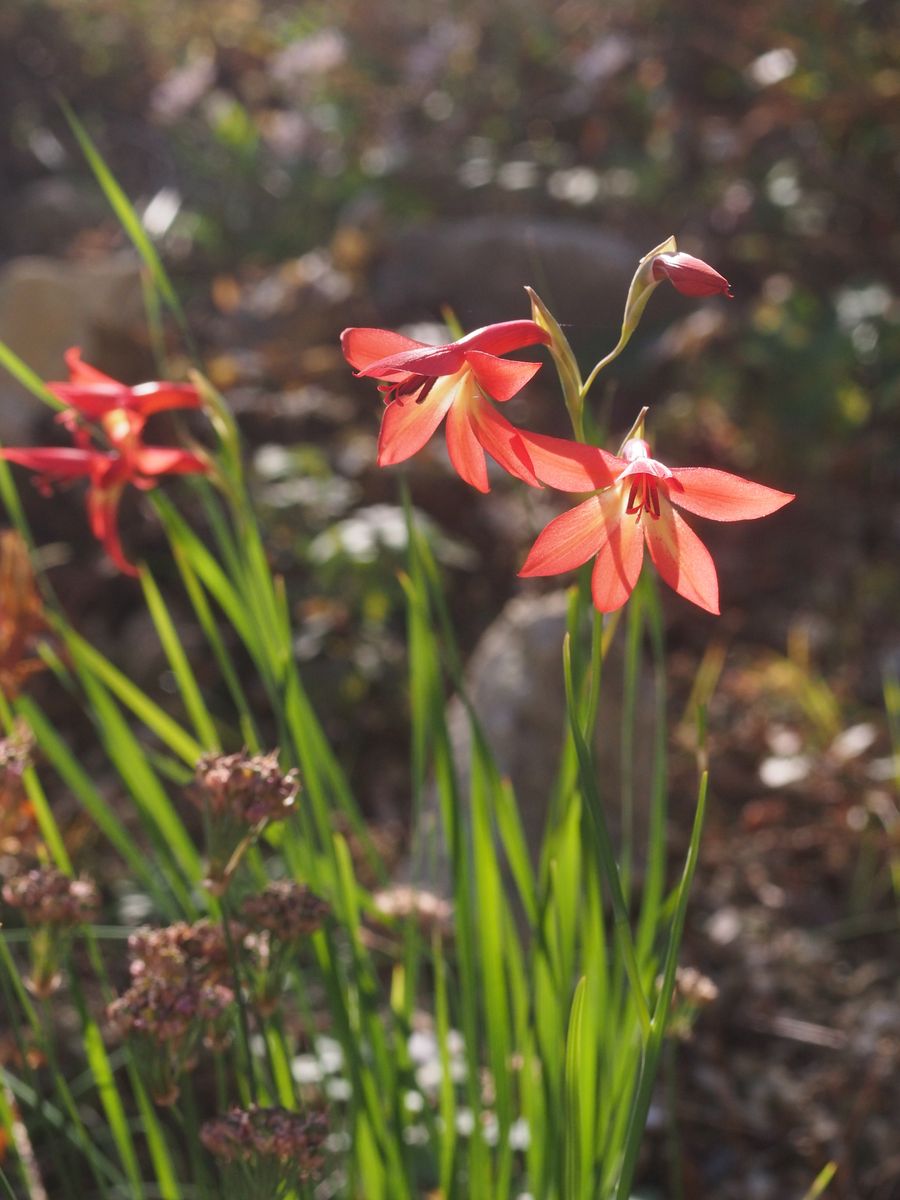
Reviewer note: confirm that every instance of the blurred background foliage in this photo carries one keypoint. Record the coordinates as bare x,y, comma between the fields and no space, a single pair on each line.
763,133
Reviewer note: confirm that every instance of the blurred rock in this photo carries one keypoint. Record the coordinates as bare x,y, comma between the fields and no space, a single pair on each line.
47,305
46,215
480,266
515,683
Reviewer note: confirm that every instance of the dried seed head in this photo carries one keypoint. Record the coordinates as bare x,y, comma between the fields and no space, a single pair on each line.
16,750
45,896
292,1140
175,1001
19,833
286,910
248,789
21,615
180,952
692,992
433,913
694,988
166,1011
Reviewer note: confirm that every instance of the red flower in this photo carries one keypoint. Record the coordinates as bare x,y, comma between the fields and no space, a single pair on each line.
93,395
109,472
423,384
614,524
690,276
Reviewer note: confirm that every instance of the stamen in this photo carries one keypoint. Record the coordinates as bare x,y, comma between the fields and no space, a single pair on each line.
397,392
653,498
423,395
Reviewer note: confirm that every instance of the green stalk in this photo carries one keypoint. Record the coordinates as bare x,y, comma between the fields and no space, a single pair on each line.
606,854
662,1011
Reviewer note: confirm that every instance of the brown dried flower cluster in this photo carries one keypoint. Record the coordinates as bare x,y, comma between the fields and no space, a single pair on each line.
275,923
180,951
432,913
693,991
19,833
694,988
248,789
21,615
238,795
261,1137
176,1000
45,896
168,1011
286,910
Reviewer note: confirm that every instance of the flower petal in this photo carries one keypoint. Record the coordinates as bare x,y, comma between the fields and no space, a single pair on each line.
501,440
364,346
505,336
568,541
82,372
681,558
55,462
433,361
568,466
149,398
501,378
690,276
103,513
464,448
725,497
619,560
407,425
166,460
92,400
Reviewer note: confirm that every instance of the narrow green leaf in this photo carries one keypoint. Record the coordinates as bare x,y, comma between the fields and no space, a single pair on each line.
576,1121
29,379
90,662
113,1107
605,854
821,1181
663,1008
79,782
178,661
130,760
124,211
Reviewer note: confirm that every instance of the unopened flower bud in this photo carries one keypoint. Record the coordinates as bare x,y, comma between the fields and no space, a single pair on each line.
690,276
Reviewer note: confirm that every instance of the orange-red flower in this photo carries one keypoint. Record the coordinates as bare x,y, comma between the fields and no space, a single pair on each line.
690,276
424,384
109,472
90,394
613,525
121,412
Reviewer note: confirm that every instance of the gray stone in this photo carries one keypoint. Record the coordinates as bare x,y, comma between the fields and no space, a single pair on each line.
515,684
47,305
479,266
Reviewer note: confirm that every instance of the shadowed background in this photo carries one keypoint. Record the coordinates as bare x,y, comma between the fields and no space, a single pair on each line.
302,167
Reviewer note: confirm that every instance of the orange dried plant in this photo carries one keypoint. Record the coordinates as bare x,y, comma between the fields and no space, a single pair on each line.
22,617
